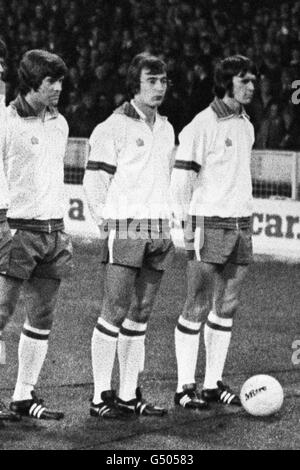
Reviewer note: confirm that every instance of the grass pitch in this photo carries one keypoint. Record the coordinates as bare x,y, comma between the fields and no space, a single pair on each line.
267,324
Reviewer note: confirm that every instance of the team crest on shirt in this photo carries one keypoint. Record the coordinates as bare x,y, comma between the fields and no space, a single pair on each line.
140,142
34,140
228,142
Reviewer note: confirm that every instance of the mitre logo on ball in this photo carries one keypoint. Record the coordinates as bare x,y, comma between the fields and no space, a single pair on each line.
254,392
262,395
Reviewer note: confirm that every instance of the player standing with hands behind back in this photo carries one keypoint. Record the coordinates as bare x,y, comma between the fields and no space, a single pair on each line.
33,146
5,234
211,181
127,185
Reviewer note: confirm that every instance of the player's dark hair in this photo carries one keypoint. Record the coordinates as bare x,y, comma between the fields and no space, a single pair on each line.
141,61
3,49
228,68
35,66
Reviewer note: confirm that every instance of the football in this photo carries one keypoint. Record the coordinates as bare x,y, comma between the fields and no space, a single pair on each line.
262,395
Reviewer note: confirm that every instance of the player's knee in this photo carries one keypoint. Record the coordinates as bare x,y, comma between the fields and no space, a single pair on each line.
4,319
6,311
140,317
229,307
42,323
143,311
114,311
196,310
42,318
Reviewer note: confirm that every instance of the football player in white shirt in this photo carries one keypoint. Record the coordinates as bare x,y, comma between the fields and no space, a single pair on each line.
211,184
5,234
3,185
3,54
33,147
127,185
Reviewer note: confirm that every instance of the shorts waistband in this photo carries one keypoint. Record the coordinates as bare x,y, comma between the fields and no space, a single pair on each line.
232,223
34,225
138,225
3,213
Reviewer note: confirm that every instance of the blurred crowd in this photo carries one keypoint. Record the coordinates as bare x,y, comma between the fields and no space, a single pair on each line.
98,38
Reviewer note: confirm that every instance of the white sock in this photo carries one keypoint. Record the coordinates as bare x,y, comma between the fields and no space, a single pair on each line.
187,335
33,346
217,336
104,344
131,355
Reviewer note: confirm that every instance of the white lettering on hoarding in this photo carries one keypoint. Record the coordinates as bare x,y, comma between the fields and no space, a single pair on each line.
296,353
295,98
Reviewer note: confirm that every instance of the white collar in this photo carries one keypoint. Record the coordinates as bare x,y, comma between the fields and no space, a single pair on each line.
140,113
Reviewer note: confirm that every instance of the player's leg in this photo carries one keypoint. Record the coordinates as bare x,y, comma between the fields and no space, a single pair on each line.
200,280
217,332
43,258
131,344
157,257
33,346
9,294
119,288
10,288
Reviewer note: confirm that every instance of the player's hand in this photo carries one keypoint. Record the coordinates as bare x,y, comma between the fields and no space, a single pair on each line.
103,230
176,222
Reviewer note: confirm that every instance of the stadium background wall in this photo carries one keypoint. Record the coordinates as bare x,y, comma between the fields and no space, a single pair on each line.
276,188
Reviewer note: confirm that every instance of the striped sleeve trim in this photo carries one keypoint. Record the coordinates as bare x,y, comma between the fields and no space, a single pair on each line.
31,334
187,165
97,166
214,326
106,331
126,332
186,330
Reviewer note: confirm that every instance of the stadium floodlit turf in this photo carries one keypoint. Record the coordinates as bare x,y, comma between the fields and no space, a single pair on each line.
267,324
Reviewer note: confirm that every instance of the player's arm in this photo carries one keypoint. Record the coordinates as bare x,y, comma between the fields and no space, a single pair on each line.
65,127
2,93
186,169
101,167
172,149
4,136
3,126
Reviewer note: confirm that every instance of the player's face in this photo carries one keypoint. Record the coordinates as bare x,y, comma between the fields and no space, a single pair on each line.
243,88
152,88
49,92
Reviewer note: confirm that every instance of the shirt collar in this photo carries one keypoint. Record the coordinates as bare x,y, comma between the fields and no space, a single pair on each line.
26,111
140,113
131,110
158,118
224,112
